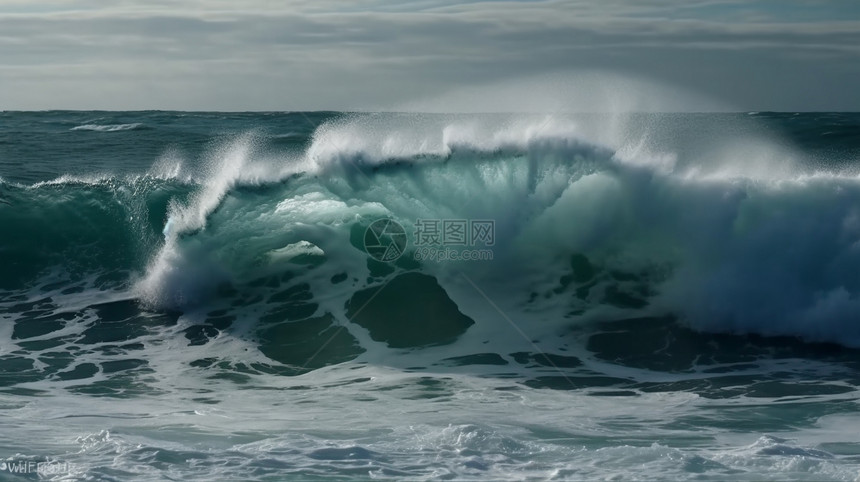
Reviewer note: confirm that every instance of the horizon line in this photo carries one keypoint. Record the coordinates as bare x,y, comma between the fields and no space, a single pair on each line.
318,111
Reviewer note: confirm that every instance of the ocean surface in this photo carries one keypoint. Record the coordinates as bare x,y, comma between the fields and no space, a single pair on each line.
320,296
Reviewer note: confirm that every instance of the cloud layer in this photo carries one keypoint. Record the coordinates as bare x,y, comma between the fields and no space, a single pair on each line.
347,54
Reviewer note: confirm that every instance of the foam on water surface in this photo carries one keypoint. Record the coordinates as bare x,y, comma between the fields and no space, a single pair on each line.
666,298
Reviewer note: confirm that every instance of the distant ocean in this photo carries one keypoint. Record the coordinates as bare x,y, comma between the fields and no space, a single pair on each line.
318,296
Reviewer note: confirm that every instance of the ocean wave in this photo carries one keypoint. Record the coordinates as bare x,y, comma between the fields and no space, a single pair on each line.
98,224
749,245
108,127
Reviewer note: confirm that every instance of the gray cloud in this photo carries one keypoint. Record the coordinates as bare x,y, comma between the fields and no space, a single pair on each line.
338,54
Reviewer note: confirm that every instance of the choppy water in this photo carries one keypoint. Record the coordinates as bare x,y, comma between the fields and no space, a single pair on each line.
210,296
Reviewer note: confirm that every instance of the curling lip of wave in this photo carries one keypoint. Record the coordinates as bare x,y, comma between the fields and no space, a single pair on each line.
374,141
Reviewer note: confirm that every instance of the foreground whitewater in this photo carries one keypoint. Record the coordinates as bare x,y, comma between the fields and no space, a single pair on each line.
265,297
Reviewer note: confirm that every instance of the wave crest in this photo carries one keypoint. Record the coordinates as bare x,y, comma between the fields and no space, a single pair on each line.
107,127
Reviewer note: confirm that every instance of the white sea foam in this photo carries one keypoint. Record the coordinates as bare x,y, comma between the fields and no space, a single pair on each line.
107,127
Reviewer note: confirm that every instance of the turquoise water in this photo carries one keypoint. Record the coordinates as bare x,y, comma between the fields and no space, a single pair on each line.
207,296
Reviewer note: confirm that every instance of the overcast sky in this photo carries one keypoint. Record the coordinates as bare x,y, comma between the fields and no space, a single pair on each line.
785,55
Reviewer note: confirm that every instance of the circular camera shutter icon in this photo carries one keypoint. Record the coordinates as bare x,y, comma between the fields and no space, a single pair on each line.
385,240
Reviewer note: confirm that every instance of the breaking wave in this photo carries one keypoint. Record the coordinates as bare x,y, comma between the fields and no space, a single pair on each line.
596,218
107,128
